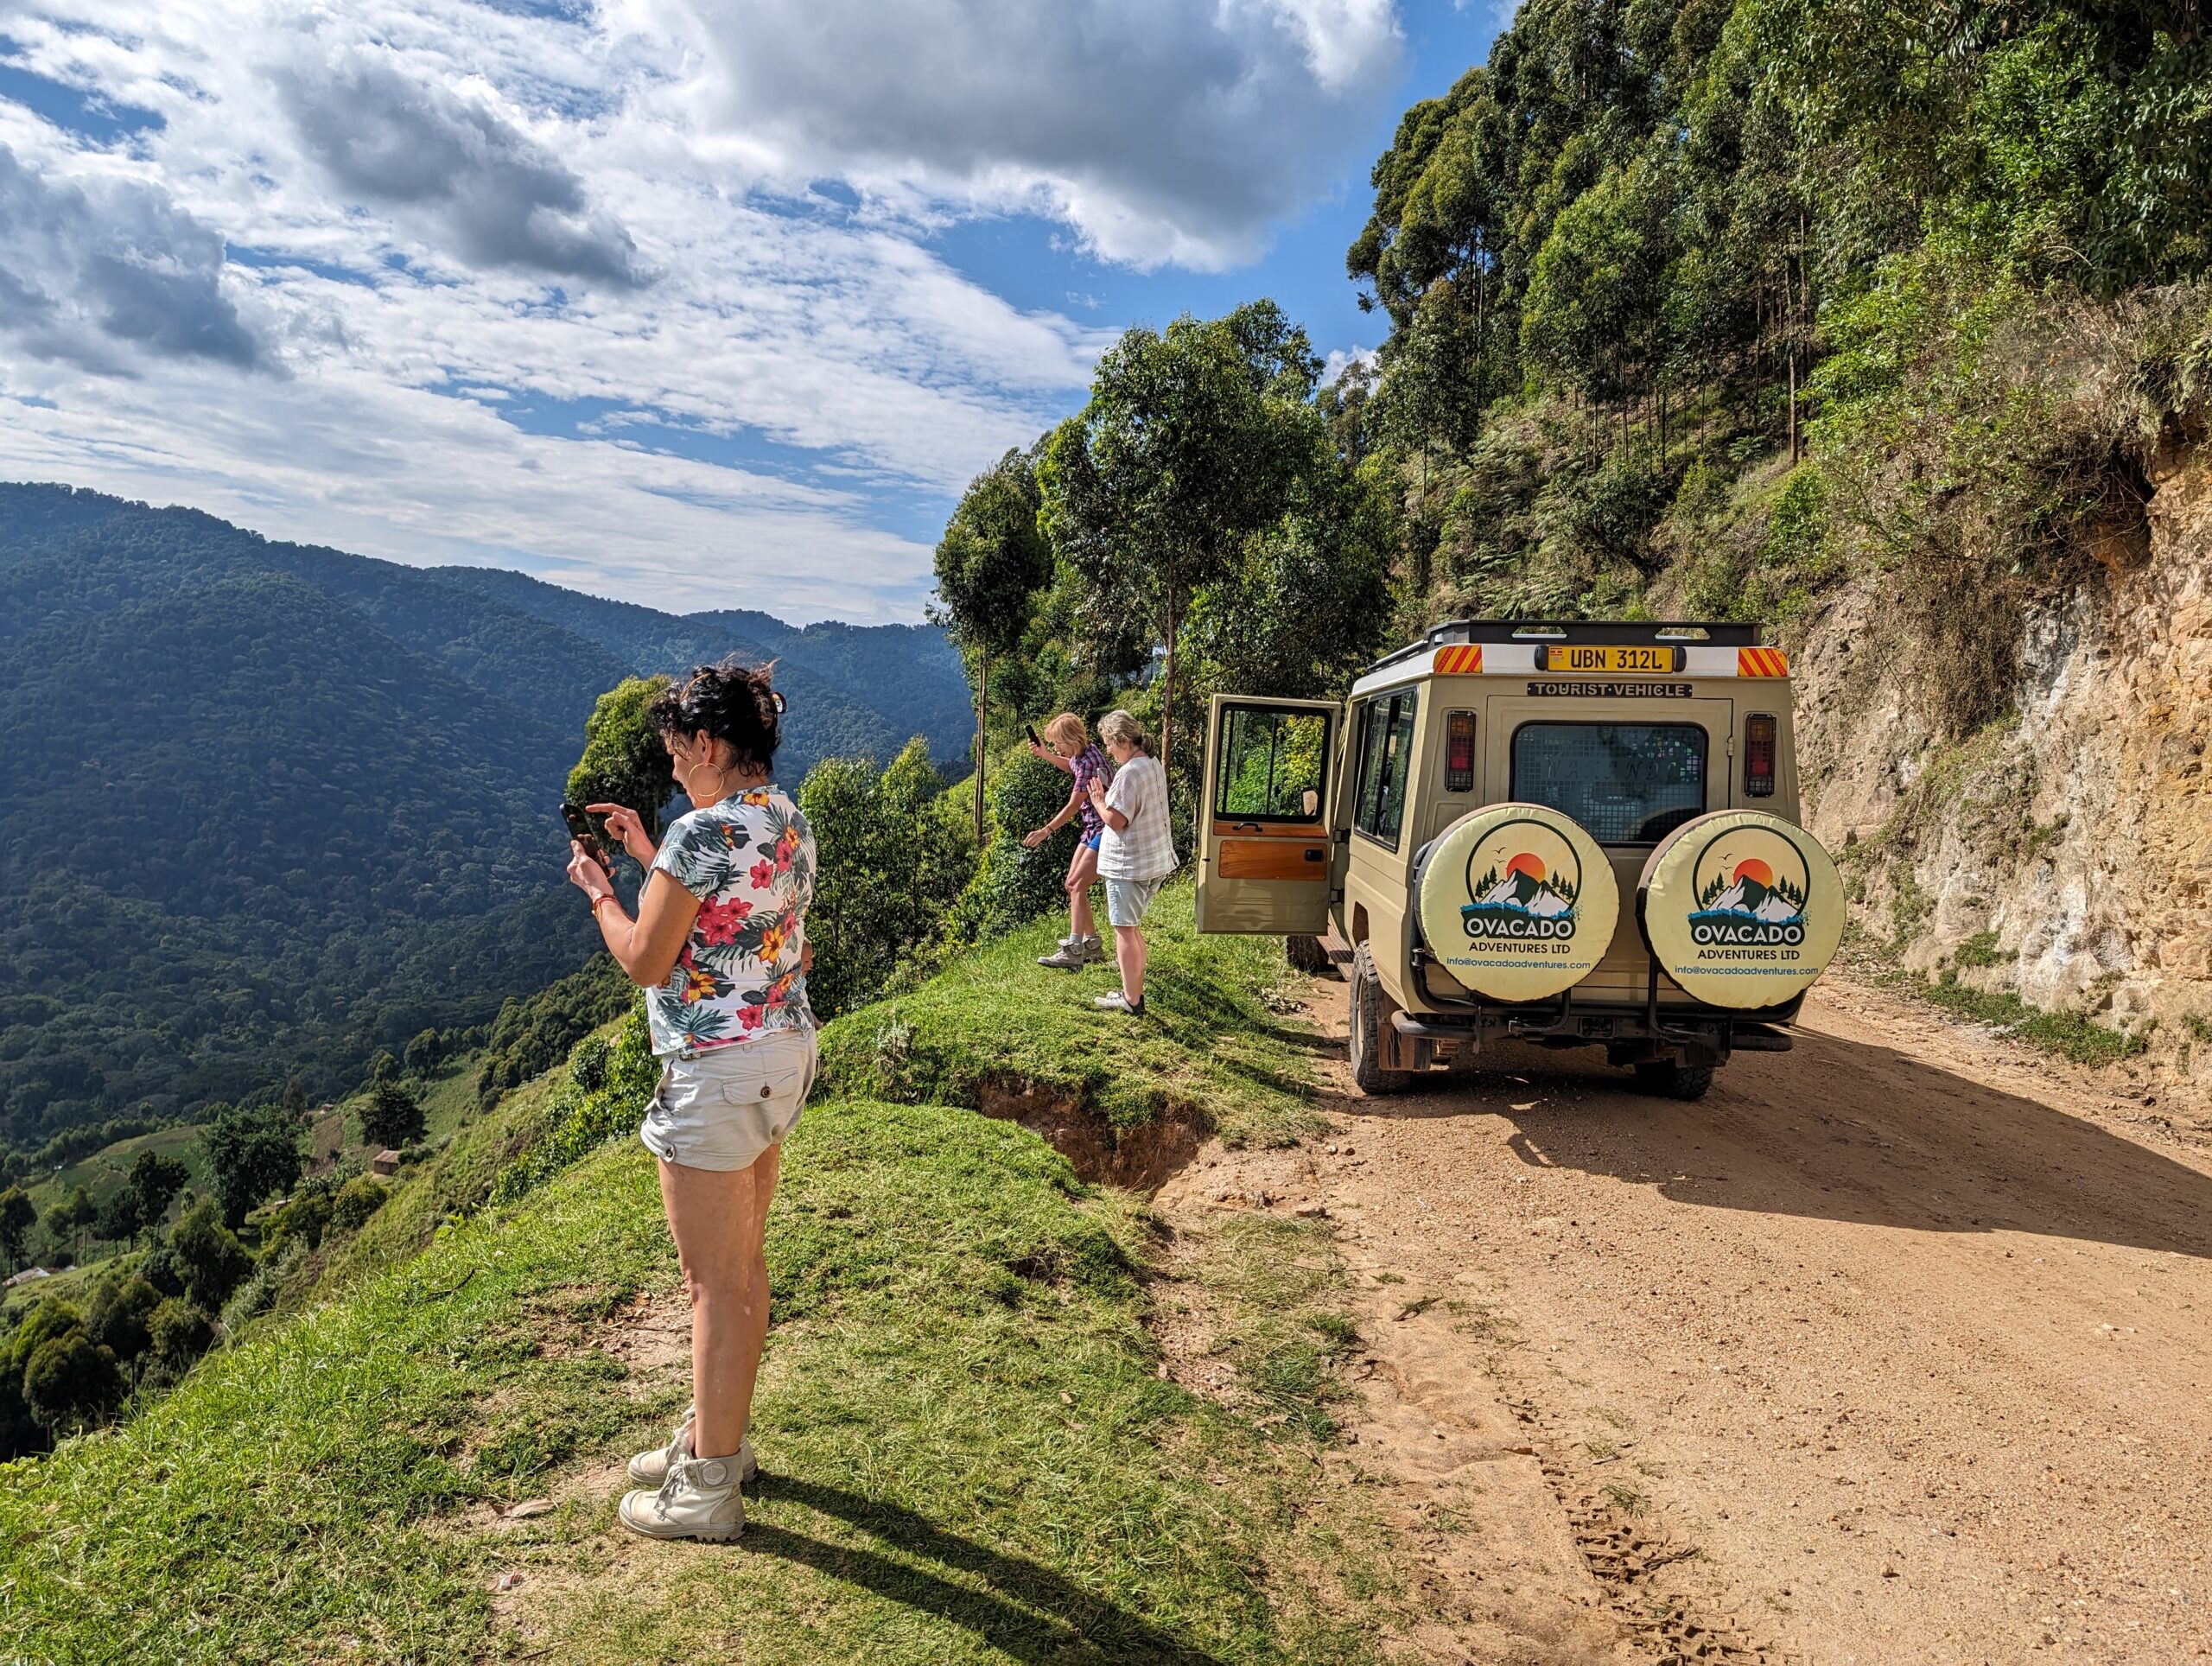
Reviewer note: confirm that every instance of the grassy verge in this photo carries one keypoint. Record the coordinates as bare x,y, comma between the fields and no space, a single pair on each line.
1209,1041
2070,1036
976,1448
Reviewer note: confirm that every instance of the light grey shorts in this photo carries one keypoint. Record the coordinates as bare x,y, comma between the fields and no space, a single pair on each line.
1127,900
723,1108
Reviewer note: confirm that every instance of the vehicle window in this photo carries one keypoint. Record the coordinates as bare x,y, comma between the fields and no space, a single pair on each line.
1626,783
1270,760
1386,748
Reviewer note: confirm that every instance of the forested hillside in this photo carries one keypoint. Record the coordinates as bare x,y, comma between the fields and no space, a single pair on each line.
1651,256
273,808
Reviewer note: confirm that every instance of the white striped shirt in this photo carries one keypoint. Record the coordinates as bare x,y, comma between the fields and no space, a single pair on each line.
1144,850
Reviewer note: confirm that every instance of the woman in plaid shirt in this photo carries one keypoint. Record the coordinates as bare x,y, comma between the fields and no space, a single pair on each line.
1136,852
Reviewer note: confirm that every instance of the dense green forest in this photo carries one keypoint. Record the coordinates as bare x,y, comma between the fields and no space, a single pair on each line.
1693,309
277,808
1704,308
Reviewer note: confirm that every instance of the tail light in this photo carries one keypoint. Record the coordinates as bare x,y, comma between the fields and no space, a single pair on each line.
1759,756
1459,751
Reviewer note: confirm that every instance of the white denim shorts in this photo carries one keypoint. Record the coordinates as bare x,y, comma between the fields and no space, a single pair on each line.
722,1109
1127,900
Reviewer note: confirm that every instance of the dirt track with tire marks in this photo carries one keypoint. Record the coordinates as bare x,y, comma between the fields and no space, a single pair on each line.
1895,1348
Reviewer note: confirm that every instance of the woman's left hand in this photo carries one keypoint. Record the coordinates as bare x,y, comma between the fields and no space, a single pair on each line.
588,875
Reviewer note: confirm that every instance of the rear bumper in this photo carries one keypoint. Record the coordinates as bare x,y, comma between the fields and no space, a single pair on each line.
1631,1033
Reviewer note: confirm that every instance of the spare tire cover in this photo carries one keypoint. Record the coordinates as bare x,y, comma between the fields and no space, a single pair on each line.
1517,901
1741,908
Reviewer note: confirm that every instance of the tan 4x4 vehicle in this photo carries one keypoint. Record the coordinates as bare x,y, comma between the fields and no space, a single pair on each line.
1575,835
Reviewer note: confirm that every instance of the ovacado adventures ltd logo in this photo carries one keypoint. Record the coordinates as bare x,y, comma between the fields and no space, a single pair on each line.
1751,884
1524,883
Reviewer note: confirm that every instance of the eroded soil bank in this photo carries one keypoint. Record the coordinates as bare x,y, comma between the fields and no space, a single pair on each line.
1896,1348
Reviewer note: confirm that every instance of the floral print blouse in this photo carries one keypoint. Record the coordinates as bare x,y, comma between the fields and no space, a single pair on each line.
749,859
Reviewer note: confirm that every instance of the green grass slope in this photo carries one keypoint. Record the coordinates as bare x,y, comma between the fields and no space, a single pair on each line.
1209,1044
972,1450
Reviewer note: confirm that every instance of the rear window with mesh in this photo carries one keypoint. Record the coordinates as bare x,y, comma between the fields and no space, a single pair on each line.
1626,783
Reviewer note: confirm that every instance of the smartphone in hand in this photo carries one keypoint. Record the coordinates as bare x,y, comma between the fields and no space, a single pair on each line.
579,829
1030,730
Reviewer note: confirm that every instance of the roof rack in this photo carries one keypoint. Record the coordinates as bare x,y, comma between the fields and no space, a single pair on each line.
1714,634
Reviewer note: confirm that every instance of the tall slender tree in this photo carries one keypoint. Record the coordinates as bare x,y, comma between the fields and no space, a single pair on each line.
991,562
1190,443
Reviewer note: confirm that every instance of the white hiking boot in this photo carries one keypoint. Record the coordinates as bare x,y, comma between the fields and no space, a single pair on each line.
1094,951
699,1500
651,1468
1070,956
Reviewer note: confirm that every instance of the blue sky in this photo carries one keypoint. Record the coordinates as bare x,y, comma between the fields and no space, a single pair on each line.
695,302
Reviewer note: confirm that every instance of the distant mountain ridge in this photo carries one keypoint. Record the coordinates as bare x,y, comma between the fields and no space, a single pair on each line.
273,806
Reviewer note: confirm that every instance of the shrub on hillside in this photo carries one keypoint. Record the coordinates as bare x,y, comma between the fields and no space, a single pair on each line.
531,1036
177,1334
391,1116
253,1152
209,1261
890,857
578,1122
1014,885
72,1383
117,1319
358,1199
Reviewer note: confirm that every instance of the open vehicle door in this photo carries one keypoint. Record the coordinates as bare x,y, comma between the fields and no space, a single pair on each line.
1264,837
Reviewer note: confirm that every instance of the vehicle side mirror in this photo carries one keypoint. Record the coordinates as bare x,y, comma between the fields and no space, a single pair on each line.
1312,802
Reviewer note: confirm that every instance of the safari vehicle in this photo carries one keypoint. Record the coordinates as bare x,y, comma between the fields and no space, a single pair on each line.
1574,834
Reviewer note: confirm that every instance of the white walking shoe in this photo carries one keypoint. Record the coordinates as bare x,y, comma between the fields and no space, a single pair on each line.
651,1468
699,1500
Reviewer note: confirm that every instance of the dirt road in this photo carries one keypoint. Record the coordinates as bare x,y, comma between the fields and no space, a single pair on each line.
1895,1348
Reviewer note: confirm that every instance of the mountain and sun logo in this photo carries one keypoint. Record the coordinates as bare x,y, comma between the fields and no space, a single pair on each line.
1750,885
1524,883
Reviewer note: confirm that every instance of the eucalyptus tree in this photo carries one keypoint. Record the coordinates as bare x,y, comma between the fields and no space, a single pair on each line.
1191,442
991,562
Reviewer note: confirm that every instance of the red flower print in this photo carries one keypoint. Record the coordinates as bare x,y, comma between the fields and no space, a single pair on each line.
749,1015
719,918
786,847
763,877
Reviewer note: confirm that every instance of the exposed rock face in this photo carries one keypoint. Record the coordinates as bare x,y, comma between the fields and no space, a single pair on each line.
2079,834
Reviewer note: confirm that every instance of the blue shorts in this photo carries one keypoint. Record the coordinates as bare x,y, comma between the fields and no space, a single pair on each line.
1089,841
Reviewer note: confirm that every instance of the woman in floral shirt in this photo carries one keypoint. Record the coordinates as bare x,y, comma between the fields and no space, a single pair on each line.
719,947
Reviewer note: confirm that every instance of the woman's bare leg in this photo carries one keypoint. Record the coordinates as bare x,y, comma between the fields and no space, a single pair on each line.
720,1219
1083,868
1128,950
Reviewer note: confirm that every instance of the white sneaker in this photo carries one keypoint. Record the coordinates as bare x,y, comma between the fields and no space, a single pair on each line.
651,1468
1114,1001
699,1500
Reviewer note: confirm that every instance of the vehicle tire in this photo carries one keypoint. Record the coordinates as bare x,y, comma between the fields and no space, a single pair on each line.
1368,1017
1671,1081
1306,955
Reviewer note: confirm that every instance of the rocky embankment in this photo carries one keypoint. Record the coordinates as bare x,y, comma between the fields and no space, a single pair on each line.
2065,852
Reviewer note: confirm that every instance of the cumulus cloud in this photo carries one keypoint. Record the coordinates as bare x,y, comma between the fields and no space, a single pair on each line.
494,195
1161,129
540,286
100,273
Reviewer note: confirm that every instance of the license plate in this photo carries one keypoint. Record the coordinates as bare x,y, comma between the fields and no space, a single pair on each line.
1580,657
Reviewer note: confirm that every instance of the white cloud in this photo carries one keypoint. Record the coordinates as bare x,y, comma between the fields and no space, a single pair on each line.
440,214
1163,130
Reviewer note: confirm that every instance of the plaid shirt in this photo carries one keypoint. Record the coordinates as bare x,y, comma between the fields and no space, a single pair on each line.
1089,765
1144,850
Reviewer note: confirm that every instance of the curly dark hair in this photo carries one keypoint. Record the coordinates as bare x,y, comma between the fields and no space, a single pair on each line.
729,701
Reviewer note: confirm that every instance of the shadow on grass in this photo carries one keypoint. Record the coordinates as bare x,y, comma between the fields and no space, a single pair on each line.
1026,1612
